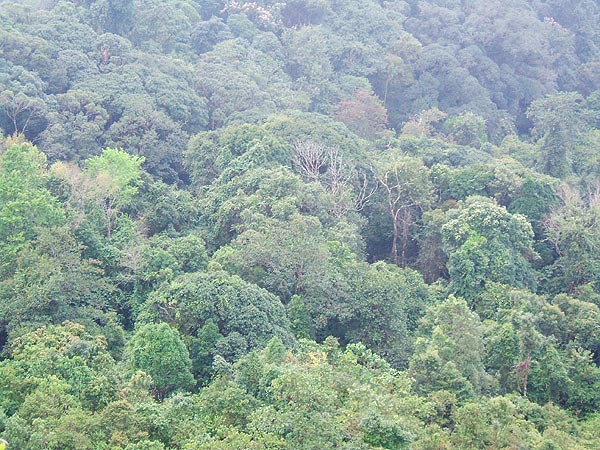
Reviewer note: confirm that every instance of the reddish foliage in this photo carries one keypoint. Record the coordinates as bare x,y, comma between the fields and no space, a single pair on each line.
364,113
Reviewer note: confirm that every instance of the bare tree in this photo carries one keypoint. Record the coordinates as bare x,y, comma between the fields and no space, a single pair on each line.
327,165
399,209
337,182
337,171
408,189
310,157
365,192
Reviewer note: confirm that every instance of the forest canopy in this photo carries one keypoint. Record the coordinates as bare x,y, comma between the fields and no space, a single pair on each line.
311,224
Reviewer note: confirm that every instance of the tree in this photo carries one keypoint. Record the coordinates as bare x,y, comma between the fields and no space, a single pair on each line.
76,125
66,355
147,264
173,23
235,78
337,174
449,351
20,109
241,310
408,191
210,153
50,417
114,16
559,122
534,199
381,308
158,350
364,114
570,229
300,321
307,391
286,258
495,421
466,129
145,131
424,123
115,175
310,158
164,208
206,34
250,195
308,60
432,259
25,202
52,283
485,242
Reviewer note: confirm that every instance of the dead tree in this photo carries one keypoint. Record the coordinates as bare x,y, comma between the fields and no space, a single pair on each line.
401,205
310,157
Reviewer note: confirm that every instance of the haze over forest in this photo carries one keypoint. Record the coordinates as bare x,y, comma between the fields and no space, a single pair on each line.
311,224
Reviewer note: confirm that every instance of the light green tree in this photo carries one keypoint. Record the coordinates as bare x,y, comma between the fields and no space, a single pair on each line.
25,202
115,176
449,351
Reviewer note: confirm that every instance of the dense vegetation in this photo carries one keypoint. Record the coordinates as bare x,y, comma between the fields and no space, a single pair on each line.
318,224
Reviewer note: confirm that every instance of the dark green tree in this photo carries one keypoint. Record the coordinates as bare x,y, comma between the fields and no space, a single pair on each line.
158,350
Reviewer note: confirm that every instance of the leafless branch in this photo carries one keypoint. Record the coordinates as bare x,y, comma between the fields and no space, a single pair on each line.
365,193
310,157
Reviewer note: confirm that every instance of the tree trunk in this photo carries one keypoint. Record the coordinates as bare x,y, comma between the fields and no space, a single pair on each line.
406,220
395,241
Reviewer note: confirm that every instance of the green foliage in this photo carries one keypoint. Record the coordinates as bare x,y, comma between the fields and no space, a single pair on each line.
158,350
485,242
160,259
210,153
286,258
534,202
558,122
76,126
259,191
574,238
382,433
300,322
203,348
242,311
382,309
52,283
164,208
495,422
448,353
466,129
116,173
65,356
459,139
25,202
